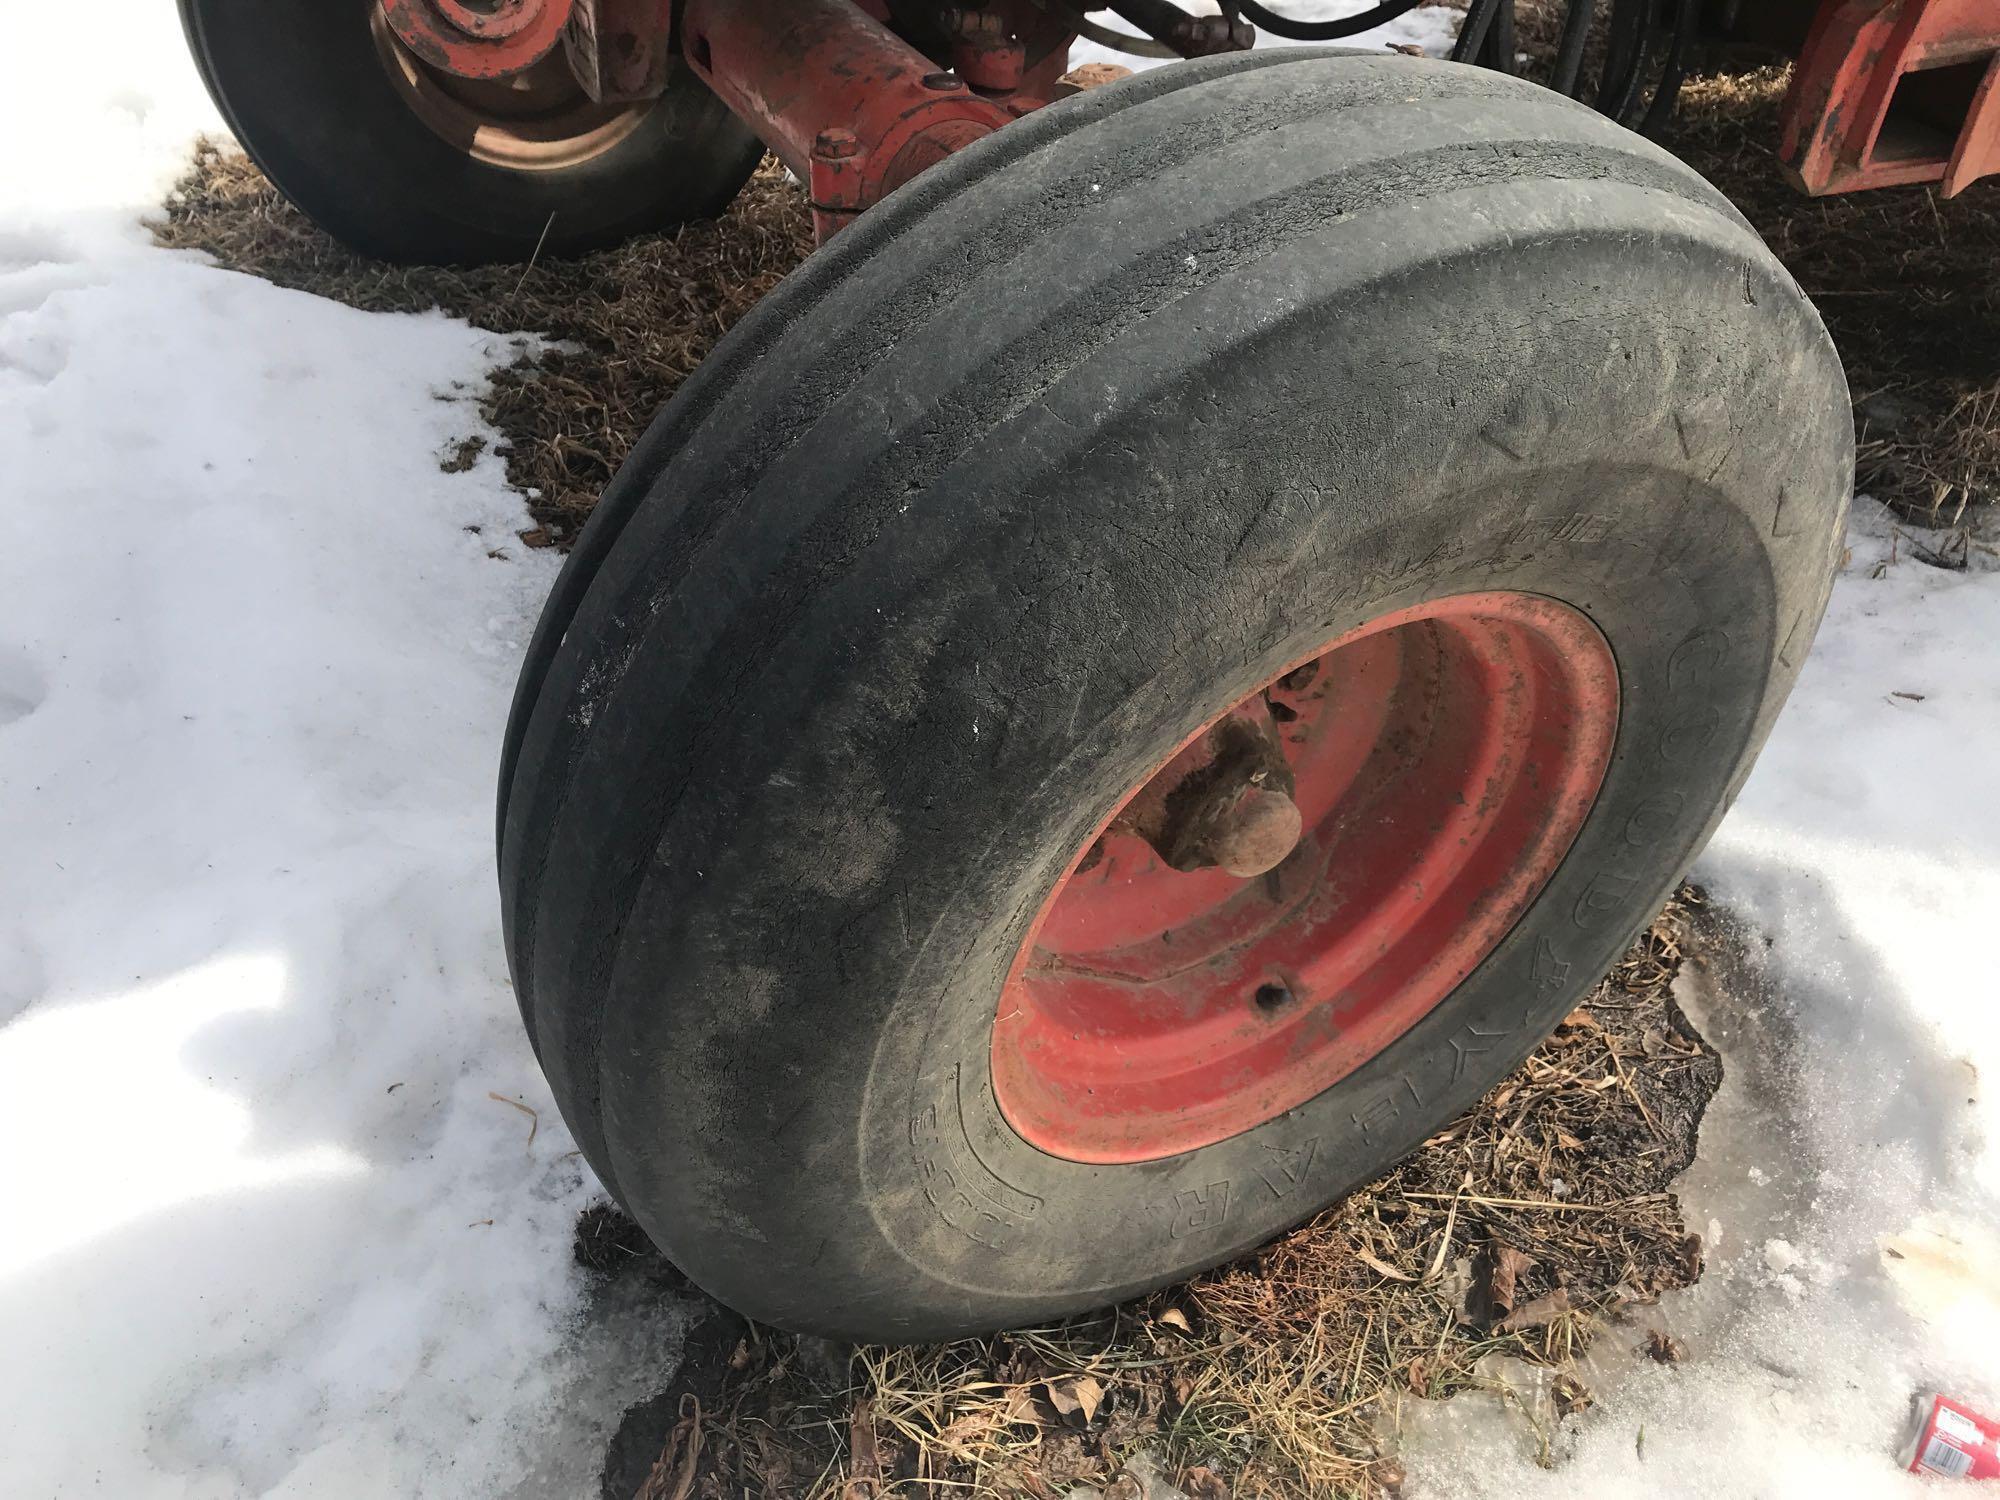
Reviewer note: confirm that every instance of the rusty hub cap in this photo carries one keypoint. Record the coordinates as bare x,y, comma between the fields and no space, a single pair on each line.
477,38
1305,879
529,115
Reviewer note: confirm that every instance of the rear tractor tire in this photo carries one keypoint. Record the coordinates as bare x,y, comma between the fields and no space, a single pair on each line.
405,162
1148,676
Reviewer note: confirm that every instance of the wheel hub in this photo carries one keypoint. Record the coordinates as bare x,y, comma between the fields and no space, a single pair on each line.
1305,879
534,119
478,38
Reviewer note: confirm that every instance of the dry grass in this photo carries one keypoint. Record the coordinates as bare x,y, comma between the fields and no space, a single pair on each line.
1525,1228
1908,282
1909,285
627,326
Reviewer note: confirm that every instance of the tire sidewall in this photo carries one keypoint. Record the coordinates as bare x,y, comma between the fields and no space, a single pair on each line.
824,1107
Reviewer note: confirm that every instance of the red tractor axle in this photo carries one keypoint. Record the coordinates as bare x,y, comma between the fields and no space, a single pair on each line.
854,109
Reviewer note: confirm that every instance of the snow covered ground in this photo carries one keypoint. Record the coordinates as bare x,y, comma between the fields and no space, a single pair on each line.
266,1228
269,1231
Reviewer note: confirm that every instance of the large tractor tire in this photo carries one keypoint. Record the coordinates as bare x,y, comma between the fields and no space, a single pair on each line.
405,162
1383,454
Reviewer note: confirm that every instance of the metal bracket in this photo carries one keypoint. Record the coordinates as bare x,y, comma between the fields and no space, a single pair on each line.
1892,92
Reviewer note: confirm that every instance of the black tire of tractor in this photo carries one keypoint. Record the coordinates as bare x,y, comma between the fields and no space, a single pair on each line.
1055,454
304,89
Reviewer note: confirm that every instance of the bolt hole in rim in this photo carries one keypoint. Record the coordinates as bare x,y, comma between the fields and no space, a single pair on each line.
537,120
1442,760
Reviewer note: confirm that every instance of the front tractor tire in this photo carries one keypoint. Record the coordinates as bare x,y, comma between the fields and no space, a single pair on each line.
404,162
1149,675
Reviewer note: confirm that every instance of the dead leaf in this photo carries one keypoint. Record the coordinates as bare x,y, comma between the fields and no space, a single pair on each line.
1173,1317
1408,49
1508,1264
864,1458
1580,1020
1203,1483
672,1474
1124,1487
1692,1254
1075,1399
1094,75
1537,1314
1663,1346
1571,1395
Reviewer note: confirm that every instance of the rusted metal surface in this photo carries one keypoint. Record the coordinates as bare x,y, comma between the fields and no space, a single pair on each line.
1440,762
1225,802
620,50
480,39
984,50
854,110
1189,35
1892,92
537,120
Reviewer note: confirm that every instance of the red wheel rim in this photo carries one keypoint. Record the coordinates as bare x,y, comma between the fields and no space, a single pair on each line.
1441,761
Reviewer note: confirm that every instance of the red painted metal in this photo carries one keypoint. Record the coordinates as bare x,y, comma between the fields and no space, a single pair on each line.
1442,759
1843,127
854,109
620,50
489,40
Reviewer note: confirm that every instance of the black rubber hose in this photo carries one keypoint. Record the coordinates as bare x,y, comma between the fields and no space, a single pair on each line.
1569,56
1472,35
1628,20
1324,31
1500,53
1686,23
1621,91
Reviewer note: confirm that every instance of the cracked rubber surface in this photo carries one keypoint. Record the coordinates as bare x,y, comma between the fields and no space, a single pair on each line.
1050,457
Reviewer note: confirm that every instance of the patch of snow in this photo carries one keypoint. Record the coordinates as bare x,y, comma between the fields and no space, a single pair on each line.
268,1229
1848,1167
1780,1255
